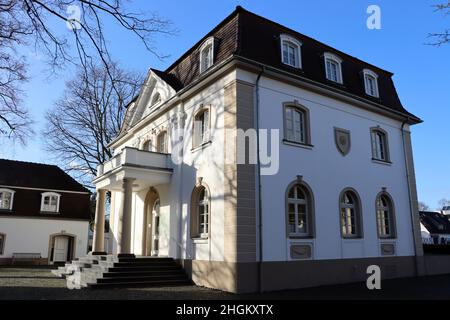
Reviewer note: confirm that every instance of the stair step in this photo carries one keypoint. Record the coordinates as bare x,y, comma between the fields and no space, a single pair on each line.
142,273
142,278
135,268
158,283
146,259
144,263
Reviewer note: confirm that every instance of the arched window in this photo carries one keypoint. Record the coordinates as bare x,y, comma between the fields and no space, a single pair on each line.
162,142
350,214
2,243
333,68
206,55
147,145
291,51
380,149
385,216
299,210
201,128
50,202
200,212
6,199
156,99
371,83
296,124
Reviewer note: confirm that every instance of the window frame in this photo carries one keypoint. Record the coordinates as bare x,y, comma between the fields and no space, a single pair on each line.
11,200
306,125
358,216
369,73
195,220
2,243
50,194
210,42
391,218
328,56
284,38
196,142
166,142
148,143
374,146
310,213
155,96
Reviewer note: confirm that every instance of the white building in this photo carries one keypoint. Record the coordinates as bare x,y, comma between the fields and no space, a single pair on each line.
339,192
44,214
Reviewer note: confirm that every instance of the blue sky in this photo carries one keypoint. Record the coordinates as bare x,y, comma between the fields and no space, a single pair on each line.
421,72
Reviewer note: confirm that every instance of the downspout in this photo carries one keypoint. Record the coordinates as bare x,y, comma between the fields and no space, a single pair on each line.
409,193
260,239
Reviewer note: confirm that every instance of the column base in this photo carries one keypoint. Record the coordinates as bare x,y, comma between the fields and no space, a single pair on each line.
99,253
126,255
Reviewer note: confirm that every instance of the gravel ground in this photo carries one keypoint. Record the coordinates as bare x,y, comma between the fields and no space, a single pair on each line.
38,283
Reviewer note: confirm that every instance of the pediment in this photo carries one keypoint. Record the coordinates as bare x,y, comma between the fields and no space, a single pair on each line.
154,92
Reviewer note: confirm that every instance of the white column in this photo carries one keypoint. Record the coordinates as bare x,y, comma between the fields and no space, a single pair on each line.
125,215
99,228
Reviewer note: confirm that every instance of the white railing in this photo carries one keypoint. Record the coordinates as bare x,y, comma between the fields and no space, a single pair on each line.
135,157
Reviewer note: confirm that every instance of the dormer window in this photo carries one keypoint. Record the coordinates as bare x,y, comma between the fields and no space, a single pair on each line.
6,199
333,68
206,55
291,51
50,202
371,83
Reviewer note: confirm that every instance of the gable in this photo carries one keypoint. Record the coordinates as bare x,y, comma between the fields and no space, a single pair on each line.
154,92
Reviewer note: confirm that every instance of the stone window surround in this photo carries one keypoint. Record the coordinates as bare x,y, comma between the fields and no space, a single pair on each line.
208,42
332,57
387,159
296,43
305,110
194,217
392,216
200,110
311,209
358,215
162,133
367,73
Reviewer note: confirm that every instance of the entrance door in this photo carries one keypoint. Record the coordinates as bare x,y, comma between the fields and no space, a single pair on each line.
61,248
155,228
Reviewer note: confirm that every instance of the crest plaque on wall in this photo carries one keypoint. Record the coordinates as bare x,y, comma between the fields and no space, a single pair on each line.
342,140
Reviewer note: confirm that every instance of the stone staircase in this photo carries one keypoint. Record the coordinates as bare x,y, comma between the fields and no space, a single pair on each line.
104,271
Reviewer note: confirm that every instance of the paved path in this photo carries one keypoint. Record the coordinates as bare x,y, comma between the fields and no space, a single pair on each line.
39,283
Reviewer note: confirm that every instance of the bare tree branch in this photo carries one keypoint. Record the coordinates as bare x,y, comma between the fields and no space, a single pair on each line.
68,32
443,37
88,117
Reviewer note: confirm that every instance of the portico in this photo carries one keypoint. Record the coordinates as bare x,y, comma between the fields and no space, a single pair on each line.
130,171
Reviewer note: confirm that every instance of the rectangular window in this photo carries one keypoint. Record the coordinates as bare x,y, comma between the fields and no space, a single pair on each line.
371,83
290,52
50,203
332,71
201,128
5,200
295,125
379,146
